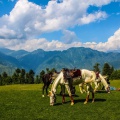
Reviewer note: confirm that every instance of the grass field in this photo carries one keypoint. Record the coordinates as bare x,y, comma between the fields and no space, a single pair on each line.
24,102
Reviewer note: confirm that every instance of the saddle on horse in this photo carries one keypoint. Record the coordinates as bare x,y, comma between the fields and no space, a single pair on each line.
76,73
69,75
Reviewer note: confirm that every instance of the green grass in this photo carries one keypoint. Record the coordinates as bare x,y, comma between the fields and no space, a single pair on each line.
25,102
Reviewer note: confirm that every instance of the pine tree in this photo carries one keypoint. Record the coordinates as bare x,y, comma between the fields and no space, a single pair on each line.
22,76
37,79
107,70
96,67
31,76
17,71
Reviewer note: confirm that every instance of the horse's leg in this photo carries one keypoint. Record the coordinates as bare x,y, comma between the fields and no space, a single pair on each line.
93,99
88,94
63,98
63,93
43,91
89,89
61,90
92,90
69,92
87,98
46,88
81,87
96,86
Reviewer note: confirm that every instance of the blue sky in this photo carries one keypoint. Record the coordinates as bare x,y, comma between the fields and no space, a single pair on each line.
60,24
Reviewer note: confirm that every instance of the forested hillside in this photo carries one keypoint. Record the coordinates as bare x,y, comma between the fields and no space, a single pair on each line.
40,60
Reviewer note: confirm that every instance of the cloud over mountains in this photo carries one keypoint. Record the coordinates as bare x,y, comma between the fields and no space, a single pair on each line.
22,26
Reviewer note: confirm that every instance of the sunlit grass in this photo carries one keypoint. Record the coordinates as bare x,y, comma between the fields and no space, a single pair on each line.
21,87
24,102
115,83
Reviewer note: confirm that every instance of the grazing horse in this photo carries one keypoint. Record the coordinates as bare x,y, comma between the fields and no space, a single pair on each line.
99,79
78,77
98,82
47,79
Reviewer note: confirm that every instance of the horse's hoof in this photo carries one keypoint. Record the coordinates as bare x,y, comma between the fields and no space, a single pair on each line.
63,102
72,103
43,96
94,91
51,104
85,102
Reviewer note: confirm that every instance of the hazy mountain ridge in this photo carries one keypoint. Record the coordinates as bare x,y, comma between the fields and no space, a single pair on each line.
8,63
74,57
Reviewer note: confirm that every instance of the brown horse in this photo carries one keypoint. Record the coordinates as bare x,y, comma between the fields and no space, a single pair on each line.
47,80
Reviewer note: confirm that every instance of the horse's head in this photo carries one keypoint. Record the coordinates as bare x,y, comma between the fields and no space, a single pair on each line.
52,98
104,82
107,88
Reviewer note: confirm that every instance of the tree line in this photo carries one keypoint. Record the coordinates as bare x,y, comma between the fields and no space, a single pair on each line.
20,76
108,71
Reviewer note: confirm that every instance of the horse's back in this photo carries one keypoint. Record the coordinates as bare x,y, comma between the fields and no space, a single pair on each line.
87,72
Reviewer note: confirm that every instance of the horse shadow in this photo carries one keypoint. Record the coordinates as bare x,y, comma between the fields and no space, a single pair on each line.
81,101
66,95
90,100
101,91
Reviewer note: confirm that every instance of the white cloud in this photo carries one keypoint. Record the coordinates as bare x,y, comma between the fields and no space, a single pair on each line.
112,44
32,44
28,19
69,37
93,17
5,32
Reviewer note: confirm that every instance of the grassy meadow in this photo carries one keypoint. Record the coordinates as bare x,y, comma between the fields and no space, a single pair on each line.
25,102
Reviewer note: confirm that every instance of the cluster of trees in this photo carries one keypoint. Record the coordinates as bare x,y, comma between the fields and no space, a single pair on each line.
115,75
20,76
107,70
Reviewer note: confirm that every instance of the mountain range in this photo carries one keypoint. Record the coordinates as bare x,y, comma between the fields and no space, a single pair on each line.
37,60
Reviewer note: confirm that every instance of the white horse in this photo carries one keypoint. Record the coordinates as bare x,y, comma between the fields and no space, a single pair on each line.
100,79
85,76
